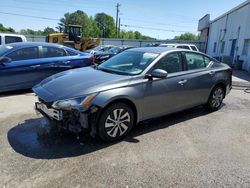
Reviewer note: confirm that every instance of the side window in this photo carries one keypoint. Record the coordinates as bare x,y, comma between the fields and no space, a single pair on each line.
53,52
0,40
71,53
193,48
184,47
171,63
206,60
195,61
12,39
24,54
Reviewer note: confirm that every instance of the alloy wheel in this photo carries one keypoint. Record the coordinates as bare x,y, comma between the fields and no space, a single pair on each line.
217,97
117,122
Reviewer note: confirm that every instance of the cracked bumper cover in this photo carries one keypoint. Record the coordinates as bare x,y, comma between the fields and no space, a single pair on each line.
72,120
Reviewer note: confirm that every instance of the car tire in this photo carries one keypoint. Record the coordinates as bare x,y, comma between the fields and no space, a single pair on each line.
115,122
216,98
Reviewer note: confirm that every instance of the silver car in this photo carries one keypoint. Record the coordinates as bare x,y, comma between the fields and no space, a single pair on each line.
136,85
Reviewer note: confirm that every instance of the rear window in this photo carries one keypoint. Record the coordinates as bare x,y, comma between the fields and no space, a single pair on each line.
193,48
12,39
183,47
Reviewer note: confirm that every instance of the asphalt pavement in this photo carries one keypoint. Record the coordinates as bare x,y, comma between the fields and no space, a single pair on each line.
192,148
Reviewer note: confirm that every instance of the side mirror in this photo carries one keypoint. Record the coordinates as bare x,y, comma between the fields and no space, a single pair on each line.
5,60
159,73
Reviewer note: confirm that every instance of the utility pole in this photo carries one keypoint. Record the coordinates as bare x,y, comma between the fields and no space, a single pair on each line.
116,21
119,27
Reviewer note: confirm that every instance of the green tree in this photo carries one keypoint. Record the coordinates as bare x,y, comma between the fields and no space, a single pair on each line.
78,18
93,29
187,36
133,35
106,24
6,29
31,32
48,30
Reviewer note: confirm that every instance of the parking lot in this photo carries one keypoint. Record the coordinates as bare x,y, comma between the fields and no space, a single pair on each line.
193,148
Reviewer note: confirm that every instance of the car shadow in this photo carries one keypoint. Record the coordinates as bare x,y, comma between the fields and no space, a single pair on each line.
24,138
15,93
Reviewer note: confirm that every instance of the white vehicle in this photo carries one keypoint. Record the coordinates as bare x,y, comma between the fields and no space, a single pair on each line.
6,38
184,46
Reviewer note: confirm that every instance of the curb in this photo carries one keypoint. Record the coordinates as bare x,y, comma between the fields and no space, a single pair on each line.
241,84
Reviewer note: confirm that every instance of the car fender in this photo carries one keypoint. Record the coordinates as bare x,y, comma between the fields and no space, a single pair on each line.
131,94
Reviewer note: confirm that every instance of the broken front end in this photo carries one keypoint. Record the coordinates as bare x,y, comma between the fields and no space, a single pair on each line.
74,115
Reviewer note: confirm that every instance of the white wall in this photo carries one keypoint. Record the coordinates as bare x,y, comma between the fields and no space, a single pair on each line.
231,22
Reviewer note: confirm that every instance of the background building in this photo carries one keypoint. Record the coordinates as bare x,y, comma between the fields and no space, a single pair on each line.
228,36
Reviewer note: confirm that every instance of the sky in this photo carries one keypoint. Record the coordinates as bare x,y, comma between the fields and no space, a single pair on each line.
161,19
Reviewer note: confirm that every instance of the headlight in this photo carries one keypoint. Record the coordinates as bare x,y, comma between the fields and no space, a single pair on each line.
77,103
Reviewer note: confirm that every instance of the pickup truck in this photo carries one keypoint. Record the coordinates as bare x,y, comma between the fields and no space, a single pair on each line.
6,38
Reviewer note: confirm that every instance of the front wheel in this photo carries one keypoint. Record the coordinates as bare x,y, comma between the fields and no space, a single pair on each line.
115,122
216,98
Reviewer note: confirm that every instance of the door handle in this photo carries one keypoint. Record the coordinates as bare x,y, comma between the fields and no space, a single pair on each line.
182,82
66,62
212,73
35,66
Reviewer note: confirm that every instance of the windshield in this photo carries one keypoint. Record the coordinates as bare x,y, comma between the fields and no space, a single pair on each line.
98,48
4,49
128,62
114,50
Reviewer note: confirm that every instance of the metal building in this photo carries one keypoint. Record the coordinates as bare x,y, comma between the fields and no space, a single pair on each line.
228,36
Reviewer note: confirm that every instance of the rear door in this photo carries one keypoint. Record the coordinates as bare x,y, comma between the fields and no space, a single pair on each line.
54,60
21,72
200,78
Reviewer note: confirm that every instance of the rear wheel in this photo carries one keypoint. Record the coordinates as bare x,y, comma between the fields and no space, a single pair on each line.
115,122
216,98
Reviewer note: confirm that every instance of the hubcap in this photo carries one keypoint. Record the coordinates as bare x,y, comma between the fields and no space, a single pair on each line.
217,97
117,122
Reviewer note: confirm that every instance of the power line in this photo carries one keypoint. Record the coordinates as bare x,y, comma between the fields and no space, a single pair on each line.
157,29
165,24
59,4
29,16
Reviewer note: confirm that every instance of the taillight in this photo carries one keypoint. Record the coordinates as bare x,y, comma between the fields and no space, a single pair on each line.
230,70
91,59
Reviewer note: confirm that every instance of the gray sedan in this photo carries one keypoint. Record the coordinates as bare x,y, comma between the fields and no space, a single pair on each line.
136,85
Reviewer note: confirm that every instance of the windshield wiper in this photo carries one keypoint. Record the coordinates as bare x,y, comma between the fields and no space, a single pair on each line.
104,70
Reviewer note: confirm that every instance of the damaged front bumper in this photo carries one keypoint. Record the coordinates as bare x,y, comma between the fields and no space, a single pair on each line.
72,120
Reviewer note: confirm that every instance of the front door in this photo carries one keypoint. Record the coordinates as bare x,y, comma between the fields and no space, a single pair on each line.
163,96
21,71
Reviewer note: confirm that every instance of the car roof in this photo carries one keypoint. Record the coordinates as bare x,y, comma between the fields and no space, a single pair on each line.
31,44
12,34
158,50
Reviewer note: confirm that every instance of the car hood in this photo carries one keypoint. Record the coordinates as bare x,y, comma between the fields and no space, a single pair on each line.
77,83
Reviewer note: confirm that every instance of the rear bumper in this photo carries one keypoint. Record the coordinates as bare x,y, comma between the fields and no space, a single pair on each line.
228,89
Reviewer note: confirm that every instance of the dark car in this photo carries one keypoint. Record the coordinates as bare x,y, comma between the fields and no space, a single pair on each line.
23,65
135,85
100,48
103,56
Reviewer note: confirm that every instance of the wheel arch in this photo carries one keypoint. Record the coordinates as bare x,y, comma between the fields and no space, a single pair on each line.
222,84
